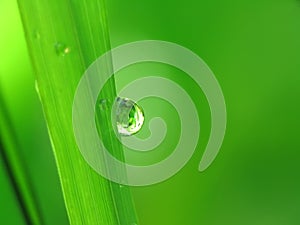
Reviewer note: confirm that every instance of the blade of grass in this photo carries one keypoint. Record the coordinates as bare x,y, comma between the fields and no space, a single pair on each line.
16,170
64,37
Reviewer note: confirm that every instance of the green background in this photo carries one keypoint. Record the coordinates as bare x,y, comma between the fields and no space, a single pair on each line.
253,47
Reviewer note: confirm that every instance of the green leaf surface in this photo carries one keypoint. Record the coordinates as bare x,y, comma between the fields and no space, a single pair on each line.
64,38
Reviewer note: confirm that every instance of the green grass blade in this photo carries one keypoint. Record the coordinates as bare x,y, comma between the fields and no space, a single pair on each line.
64,37
17,172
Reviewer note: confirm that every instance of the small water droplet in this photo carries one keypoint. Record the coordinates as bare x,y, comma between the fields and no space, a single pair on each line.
104,104
36,34
61,49
129,116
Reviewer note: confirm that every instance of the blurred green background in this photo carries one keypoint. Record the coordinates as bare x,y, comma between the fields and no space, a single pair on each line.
253,47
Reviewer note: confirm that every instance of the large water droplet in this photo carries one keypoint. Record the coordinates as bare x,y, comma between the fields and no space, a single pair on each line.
61,49
129,116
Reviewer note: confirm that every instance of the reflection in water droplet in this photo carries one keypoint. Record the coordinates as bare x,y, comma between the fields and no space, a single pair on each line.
61,49
129,116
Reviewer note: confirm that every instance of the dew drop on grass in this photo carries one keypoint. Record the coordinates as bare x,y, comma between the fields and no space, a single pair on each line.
129,116
61,49
36,34
104,104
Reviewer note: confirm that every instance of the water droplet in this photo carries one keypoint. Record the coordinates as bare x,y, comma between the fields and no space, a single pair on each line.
104,104
61,49
129,116
36,34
